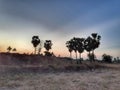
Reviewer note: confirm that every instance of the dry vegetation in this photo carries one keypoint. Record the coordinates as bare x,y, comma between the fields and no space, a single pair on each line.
84,80
41,73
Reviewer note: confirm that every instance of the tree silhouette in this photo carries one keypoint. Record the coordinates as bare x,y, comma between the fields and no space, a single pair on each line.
91,43
69,45
107,58
9,49
48,45
14,50
88,45
80,44
95,42
75,45
80,48
35,41
91,56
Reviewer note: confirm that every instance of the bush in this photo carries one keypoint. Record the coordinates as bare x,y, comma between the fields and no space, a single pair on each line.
107,58
48,53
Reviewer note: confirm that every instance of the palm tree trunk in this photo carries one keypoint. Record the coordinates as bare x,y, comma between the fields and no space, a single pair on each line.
80,57
93,55
35,50
90,57
76,55
70,55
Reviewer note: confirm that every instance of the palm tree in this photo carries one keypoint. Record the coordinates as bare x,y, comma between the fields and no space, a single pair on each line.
35,41
80,46
95,42
69,45
75,45
48,45
91,43
9,49
88,45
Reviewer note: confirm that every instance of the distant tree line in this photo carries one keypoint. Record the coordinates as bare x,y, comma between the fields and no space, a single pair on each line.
89,44
76,44
109,59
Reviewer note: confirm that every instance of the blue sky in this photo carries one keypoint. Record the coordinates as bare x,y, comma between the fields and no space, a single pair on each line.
59,20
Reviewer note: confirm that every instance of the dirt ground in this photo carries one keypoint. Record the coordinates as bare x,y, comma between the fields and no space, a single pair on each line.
100,79
26,72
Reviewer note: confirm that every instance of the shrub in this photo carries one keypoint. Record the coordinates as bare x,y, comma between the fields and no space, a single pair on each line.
107,58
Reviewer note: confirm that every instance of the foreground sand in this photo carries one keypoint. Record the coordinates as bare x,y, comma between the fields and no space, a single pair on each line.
100,79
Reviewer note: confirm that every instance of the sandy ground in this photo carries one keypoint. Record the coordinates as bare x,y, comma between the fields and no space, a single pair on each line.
107,79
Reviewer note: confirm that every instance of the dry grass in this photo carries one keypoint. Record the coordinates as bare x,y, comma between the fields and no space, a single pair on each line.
43,73
99,79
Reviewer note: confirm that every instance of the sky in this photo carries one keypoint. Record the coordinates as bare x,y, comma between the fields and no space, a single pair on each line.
59,21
